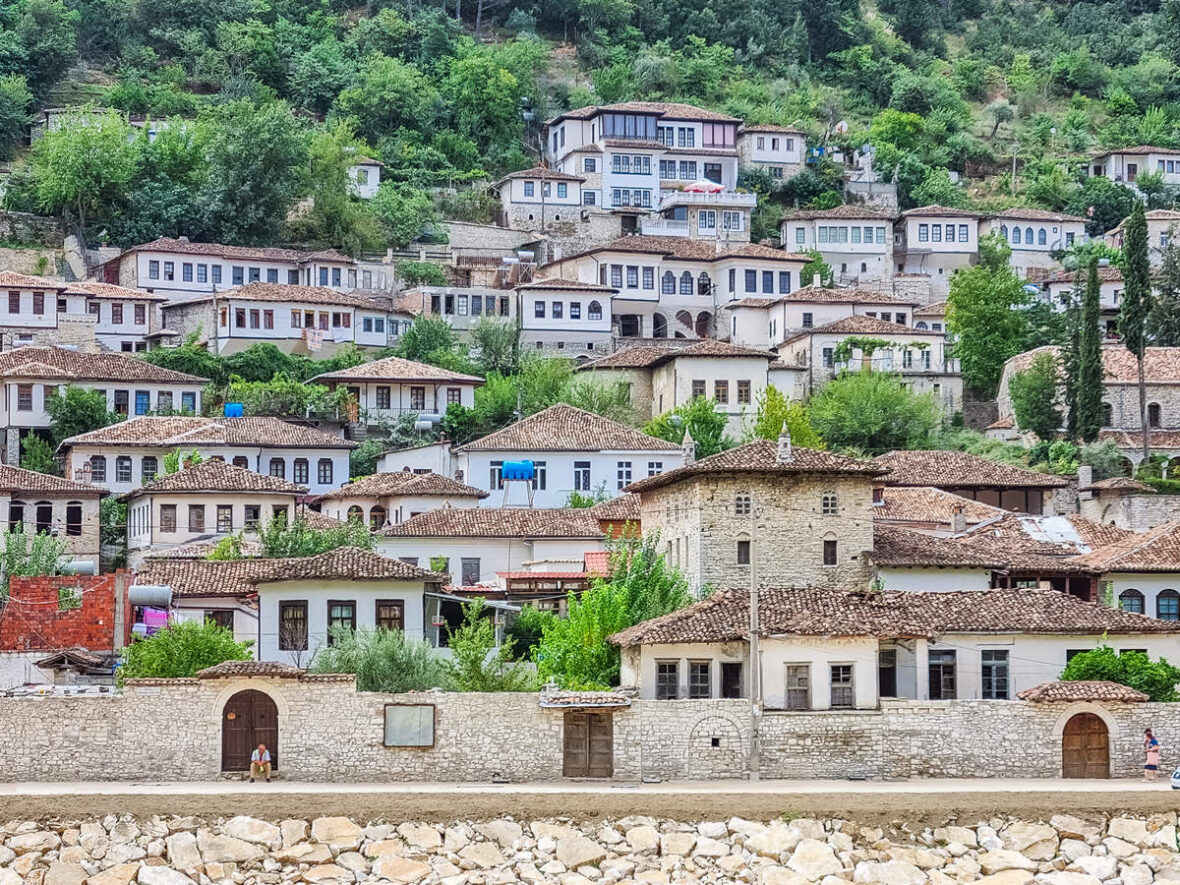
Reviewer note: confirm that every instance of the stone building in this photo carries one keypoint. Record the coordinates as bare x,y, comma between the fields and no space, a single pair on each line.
800,516
63,507
1127,503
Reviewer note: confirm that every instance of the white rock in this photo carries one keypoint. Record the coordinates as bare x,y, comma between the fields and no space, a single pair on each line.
745,827
225,849
1003,859
124,831
893,872
1118,847
1007,877
1071,827
773,841
1129,830
352,860
293,831
706,847
250,829
713,829
10,877
338,832
41,840
814,859
327,872
1104,867
182,851
506,832
123,874
162,876
775,875
426,838
1035,841
576,851
644,839
485,855
809,828
1136,874
672,844
962,835
1072,849
400,869
61,873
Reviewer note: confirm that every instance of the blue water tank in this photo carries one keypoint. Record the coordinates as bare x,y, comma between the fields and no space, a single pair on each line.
517,470
233,410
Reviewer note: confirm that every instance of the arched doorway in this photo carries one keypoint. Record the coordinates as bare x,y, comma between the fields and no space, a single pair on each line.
249,718
704,324
1085,747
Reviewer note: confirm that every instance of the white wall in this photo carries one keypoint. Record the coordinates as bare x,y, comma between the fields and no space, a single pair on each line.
1149,584
433,458
190,608
398,508
494,554
934,579
37,416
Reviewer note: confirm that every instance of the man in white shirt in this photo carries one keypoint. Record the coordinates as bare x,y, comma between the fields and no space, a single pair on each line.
260,763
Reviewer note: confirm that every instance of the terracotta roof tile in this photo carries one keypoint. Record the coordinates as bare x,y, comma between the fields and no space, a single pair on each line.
927,504
1024,212
381,485
15,479
175,432
95,289
72,365
1051,542
944,211
564,428
1161,365
216,476
1081,690
202,577
498,522
343,563
644,357
760,457
1139,149
945,469
937,309
821,295
724,616
557,284
1122,484
543,173
1105,275
895,546
624,507
12,280
846,210
394,368
862,325
671,110
257,253
1155,551
232,669
286,294
768,127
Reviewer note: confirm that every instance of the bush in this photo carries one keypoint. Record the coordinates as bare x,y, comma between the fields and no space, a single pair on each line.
180,650
525,631
383,660
477,665
873,412
1156,679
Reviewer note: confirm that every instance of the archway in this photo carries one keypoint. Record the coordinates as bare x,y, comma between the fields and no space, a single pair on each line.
248,719
659,326
704,324
1085,747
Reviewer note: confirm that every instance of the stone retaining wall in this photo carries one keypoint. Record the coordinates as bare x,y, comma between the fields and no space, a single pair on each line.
171,729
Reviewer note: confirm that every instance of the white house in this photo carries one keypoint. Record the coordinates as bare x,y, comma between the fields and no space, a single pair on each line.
1161,227
364,174
392,498
64,508
1126,164
180,268
389,387
1035,236
473,545
126,320
1059,288
295,318
565,317
125,456
204,501
203,590
856,241
534,199
935,241
780,150
821,649
32,375
571,450
931,316
1144,571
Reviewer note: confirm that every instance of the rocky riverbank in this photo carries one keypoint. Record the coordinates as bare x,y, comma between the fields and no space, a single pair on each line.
1066,850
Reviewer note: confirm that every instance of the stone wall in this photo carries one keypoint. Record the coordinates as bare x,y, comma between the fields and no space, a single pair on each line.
1136,513
34,230
330,732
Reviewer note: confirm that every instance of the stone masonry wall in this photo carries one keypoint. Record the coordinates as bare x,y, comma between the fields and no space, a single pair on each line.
330,732
1136,513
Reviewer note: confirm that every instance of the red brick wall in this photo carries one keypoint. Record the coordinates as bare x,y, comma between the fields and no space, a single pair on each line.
31,620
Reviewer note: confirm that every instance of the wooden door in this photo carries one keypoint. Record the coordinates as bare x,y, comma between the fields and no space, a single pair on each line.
1085,748
250,718
589,739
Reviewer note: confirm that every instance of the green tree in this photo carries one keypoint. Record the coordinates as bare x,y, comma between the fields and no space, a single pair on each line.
773,412
526,630
1090,371
699,418
983,313
1136,306
1035,395
112,533
181,650
420,273
189,357
383,660
496,344
25,555
36,453
46,32
76,410
477,664
873,412
362,461
389,95
484,100
15,101
282,540
427,337
937,189
608,399
337,218
402,211
1165,314
1156,679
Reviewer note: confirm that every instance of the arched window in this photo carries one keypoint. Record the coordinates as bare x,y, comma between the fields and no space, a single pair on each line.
741,505
1016,235
149,468
704,284
220,458
1153,414
1042,237
686,283
377,518
241,461
659,326
1028,236
829,505
743,549
98,468
1004,231
594,311
16,514
1167,605
920,324
1107,415
74,518
123,468
356,513
44,516
668,283
704,324
1131,601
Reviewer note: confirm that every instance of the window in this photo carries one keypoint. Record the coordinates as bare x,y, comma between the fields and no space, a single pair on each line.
341,616
529,188
391,615
798,687
668,283
828,504
253,515
469,570
942,675
751,281
123,468
575,310
24,397
830,551
623,473
1153,414
44,515
995,675
924,233
149,467
700,685
153,270
169,271
655,468
887,673
667,680
743,393
196,518
829,357
216,273
594,311
686,283
202,273
268,319
741,505
721,392
324,471
562,190
186,272
122,398
225,518
117,314
589,164
168,517
698,388
16,514
581,476
143,402
842,695
1131,601
558,310
238,275
98,468
768,282
164,401
743,552
293,626
808,320
1167,605
188,402
418,398
632,276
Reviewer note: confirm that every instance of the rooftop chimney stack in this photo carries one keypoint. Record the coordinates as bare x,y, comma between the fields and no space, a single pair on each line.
816,280
1085,477
688,448
958,520
785,454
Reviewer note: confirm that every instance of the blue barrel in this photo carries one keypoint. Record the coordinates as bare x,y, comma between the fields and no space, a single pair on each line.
517,470
233,410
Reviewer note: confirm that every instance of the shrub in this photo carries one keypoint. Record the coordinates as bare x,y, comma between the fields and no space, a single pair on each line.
1156,679
383,660
180,650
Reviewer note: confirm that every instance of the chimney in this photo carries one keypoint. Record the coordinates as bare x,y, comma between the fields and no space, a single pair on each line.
816,280
784,455
688,448
1085,477
958,520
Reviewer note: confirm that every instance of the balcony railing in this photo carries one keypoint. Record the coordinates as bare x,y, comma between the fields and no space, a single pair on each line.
667,227
722,199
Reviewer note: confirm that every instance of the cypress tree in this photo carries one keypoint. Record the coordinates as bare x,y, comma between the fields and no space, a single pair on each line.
1137,306
1089,393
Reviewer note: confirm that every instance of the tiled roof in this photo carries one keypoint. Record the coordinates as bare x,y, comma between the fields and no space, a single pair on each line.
95,289
624,507
250,548
1054,542
564,428
72,365
943,211
932,505
640,357
821,295
1001,424
724,616
937,309
202,577
231,669
12,280
1025,213
1105,275
959,470
895,546
671,110
216,476
543,173
15,479
319,521
862,325
648,357
394,368
689,250
1139,149
768,127
1126,439
174,432
557,284
343,563
751,303
760,457
1081,690
1122,484
256,253
498,522
1155,551
381,485
1161,365
286,294
846,210
598,563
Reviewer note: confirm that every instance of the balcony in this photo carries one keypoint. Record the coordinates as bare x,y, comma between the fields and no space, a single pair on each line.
722,200
657,226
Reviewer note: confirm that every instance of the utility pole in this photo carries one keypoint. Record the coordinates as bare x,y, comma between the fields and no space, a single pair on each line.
755,663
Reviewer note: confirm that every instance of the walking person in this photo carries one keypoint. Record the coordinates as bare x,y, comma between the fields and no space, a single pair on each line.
1151,756
260,763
